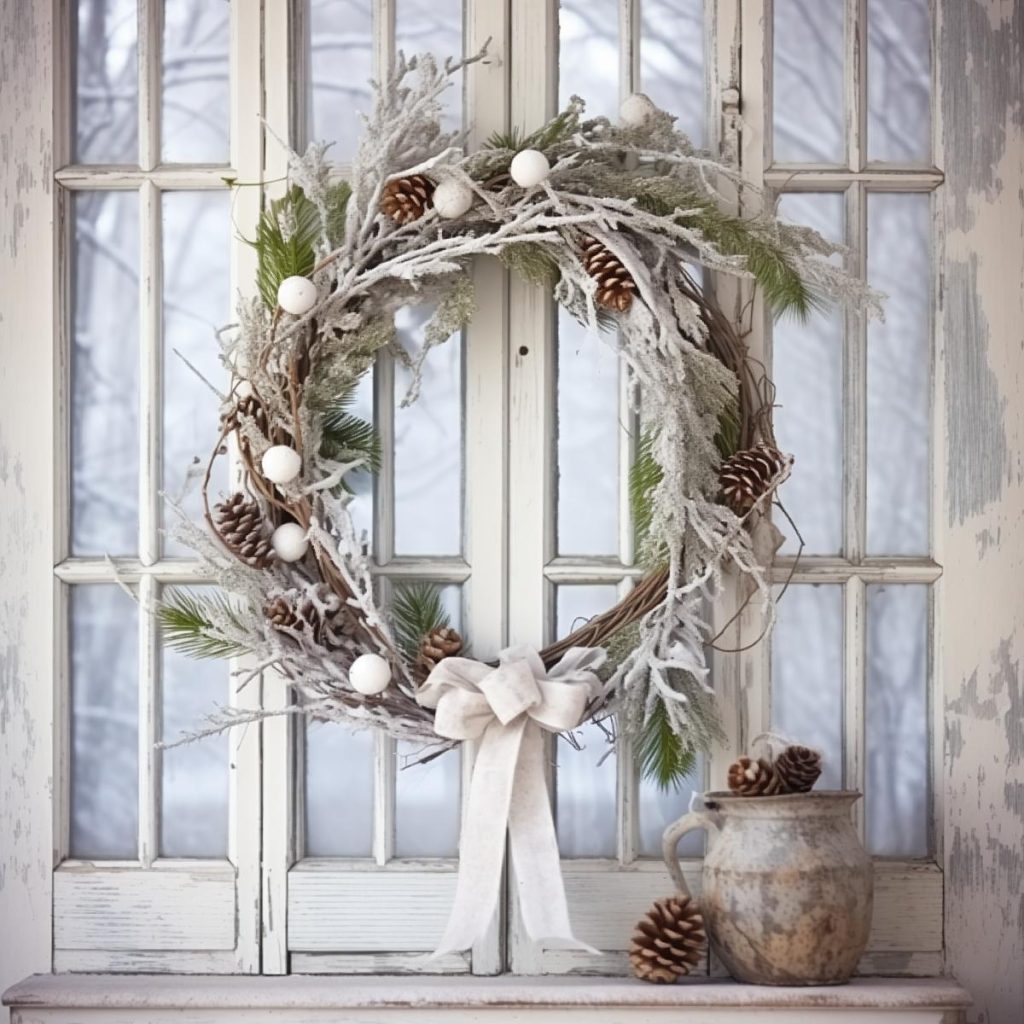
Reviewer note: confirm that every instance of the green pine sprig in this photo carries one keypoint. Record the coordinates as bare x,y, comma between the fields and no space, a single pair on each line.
187,626
280,257
345,436
416,611
644,476
660,753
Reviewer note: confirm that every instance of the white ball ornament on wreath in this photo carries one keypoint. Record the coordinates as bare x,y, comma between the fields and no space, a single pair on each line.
296,295
636,109
529,168
370,674
281,464
452,199
289,542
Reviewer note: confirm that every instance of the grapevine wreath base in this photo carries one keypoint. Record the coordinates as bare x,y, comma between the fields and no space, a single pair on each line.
613,219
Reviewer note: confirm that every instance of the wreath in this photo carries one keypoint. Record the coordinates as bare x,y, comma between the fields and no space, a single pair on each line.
615,220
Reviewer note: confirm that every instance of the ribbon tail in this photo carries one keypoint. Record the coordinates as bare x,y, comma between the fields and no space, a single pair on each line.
482,843
534,846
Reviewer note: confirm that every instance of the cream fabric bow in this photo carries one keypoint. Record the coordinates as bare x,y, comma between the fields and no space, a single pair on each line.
507,709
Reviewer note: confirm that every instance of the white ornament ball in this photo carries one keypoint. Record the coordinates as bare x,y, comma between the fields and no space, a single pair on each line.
289,542
243,389
529,168
452,199
636,109
369,674
281,464
296,295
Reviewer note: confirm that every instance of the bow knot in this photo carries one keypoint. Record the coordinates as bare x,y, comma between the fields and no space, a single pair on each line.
507,708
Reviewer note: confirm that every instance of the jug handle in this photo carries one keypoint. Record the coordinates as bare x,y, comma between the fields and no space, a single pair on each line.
687,823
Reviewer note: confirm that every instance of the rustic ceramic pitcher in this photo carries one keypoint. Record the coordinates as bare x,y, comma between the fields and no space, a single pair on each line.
786,887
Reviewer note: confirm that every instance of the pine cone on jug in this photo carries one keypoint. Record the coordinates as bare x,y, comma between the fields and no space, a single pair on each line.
615,285
239,524
798,769
750,777
406,199
437,645
748,474
669,940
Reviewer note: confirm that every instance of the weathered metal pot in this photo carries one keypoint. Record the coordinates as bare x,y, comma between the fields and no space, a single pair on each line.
786,886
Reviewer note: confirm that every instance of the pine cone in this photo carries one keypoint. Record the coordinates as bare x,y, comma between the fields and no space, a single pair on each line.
406,199
615,285
748,777
748,474
669,941
248,407
239,524
296,611
436,646
798,769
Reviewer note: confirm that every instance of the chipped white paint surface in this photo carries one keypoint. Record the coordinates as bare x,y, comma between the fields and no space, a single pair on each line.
27,285
462,1001
982,528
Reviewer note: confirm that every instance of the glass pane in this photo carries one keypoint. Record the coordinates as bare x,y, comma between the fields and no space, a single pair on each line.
588,441
340,66
104,722
196,81
897,803
899,374
660,807
196,301
428,445
899,81
434,27
588,55
107,82
585,801
807,674
807,368
427,796
339,791
672,60
194,776
105,374
807,73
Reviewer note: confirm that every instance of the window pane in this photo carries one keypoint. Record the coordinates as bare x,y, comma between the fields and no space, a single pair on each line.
807,362
660,807
196,81
105,374
585,802
107,86
196,301
428,445
427,796
194,776
588,441
898,803
899,81
340,43
104,722
899,372
434,27
339,791
588,55
807,82
672,60
807,674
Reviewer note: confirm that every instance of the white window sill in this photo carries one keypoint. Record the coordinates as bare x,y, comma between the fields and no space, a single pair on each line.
94,997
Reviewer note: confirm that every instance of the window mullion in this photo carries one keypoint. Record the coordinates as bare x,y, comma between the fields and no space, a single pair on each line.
854,649
855,386
149,725
856,82
150,77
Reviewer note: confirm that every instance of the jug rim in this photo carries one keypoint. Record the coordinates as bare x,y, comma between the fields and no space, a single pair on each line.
726,796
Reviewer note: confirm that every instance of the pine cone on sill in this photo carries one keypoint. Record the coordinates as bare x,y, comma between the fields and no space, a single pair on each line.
669,940
435,647
748,777
747,476
798,769
615,285
239,524
406,199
